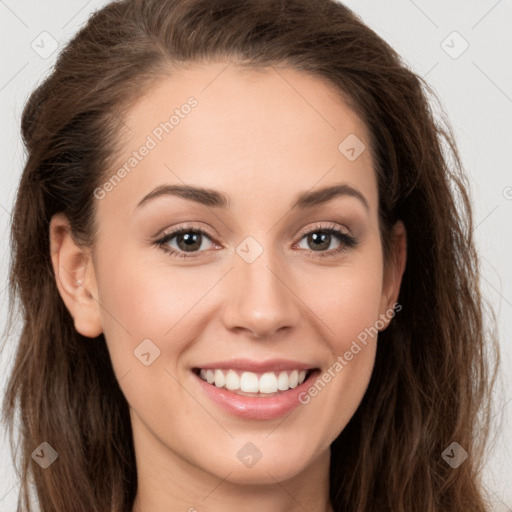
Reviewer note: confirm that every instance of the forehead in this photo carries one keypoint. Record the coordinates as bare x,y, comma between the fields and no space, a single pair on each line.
246,131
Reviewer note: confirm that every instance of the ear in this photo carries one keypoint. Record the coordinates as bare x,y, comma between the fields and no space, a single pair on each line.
394,272
75,277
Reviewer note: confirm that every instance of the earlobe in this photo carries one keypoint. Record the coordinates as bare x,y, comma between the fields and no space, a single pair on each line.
75,277
394,272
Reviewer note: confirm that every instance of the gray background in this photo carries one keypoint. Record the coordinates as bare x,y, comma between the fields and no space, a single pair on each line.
475,89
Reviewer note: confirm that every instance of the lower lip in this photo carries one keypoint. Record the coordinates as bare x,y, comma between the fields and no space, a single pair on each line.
256,408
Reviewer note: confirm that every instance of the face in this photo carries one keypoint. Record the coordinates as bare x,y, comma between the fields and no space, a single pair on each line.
271,273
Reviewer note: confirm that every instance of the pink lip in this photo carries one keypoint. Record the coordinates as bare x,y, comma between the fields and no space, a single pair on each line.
270,365
256,408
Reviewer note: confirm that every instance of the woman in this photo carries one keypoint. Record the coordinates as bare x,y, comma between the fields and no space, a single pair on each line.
225,205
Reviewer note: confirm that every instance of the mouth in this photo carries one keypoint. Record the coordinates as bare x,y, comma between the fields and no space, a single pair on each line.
255,389
255,384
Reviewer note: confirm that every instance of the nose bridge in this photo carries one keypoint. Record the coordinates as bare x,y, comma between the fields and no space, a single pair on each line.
259,299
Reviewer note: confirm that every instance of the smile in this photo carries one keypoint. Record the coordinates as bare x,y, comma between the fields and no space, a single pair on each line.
255,390
253,383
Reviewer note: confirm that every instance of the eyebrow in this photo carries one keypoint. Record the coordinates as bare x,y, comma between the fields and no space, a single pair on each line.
212,198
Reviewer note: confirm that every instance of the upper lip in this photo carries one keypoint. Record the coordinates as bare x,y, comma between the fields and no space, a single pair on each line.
269,365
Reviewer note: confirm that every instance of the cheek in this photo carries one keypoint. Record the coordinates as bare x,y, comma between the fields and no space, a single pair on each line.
352,342
348,310
143,296
346,303
140,300
147,301
346,299
158,304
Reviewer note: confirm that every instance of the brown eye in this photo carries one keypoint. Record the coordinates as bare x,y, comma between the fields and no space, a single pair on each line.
185,240
189,241
320,240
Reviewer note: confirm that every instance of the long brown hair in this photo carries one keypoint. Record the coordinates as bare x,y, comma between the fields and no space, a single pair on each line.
434,368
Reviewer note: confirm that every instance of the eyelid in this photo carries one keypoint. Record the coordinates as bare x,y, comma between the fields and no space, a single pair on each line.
187,226
343,234
164,237
325,227
346,239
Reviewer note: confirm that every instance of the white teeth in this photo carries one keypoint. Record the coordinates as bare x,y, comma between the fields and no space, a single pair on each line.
232,380
220,381
268,383
250,382
282,381
294,379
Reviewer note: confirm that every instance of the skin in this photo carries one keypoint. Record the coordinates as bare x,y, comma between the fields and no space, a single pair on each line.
260,137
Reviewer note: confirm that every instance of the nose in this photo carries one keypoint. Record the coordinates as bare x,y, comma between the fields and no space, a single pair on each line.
260,298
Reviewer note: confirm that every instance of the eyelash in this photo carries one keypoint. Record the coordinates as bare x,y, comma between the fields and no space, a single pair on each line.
347,241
